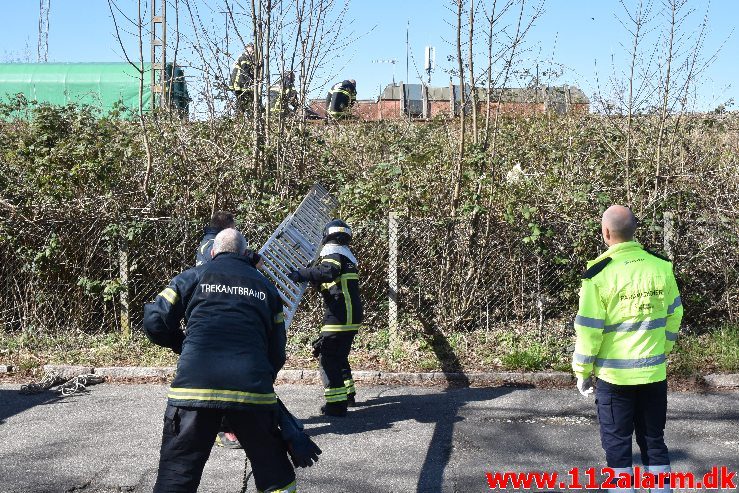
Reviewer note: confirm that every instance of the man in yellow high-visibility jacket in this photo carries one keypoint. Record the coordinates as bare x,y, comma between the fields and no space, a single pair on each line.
627,323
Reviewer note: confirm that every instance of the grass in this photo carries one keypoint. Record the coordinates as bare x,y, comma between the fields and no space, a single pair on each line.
716,351
521,349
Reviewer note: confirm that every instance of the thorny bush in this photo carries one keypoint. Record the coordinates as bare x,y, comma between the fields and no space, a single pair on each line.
528,219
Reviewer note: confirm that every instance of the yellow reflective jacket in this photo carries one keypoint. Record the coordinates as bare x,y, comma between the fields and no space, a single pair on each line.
628,318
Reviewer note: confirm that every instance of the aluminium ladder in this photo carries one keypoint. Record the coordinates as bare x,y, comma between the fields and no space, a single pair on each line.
295,244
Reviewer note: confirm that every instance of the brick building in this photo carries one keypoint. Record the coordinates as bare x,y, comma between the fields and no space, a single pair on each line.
399,101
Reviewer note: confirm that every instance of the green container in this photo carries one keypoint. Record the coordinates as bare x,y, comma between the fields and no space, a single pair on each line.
101,85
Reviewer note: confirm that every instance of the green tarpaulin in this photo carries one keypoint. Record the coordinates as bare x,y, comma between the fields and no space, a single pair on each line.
101,85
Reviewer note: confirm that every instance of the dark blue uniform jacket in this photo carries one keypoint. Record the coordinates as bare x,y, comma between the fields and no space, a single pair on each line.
202,255
235,340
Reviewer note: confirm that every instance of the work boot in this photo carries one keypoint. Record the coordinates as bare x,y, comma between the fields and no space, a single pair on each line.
227,440
334,409
351,399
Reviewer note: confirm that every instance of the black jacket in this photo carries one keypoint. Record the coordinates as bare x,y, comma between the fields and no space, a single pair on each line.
235,339
337,278
242,73
202,255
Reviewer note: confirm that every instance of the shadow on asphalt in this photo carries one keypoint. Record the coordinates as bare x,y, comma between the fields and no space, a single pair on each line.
380,413
12,402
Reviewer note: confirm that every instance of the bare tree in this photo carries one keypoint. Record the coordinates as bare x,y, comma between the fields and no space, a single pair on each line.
457,180
638,20
471,63
138,65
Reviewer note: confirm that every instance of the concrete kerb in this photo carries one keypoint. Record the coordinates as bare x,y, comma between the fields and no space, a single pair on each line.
119,372
68,371
718,381
722,380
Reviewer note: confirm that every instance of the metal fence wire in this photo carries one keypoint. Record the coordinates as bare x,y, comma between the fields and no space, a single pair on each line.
424,274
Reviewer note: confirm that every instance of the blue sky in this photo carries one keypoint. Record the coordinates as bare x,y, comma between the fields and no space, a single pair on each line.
583,39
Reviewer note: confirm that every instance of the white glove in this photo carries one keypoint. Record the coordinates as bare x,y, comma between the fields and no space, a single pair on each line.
585,385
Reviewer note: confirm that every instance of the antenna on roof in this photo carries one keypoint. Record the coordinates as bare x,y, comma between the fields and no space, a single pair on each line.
43,30
392,61
430,63
407,48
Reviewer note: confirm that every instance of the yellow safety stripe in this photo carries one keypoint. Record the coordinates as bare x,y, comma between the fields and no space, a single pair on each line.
331,260
170,295
348,277
347,300
340,328
337,394
327,285
221,395
349,384
339,229
290,488
342,91
280,317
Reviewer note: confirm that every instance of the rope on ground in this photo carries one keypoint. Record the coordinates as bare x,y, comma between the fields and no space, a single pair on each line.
65,386
79,384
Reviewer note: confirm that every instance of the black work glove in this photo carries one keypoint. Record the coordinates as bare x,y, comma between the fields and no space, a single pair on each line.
317,346
295,276
303,451
253,257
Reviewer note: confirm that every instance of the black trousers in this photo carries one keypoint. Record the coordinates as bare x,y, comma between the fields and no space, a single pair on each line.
188,436
627,409
334,365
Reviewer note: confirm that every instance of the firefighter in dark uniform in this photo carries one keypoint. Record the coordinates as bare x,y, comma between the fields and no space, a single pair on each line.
282,95
219,221
230,353
241,81
341,98
335,274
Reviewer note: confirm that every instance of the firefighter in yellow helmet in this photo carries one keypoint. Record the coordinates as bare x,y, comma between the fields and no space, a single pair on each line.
627,323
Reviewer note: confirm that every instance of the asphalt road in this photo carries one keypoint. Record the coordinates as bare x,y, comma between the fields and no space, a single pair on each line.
399,439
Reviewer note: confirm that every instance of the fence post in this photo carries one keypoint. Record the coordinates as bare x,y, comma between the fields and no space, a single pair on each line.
123,276
668,232
392,278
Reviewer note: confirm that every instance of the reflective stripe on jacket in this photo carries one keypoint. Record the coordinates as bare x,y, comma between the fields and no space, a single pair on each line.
628,317
242,73
202,255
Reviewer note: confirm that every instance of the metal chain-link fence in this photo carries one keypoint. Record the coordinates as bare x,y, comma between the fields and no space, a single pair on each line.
415,274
